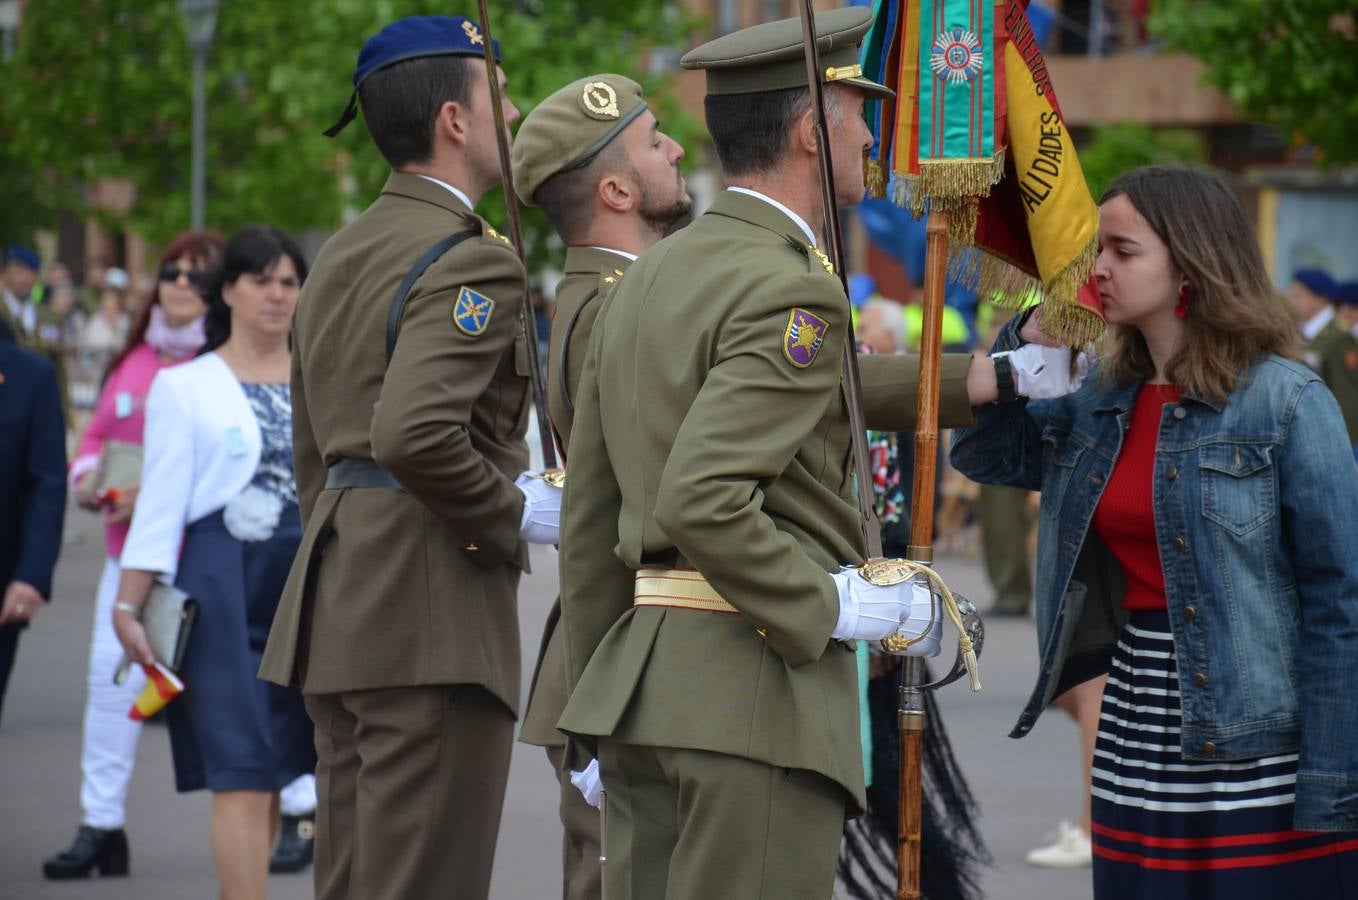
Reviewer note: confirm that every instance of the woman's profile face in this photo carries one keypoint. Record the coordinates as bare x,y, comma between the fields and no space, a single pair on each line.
1137,281
180,282
263,303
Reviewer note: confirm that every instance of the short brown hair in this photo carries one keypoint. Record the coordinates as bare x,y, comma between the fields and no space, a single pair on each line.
568,197
401,102
1235,317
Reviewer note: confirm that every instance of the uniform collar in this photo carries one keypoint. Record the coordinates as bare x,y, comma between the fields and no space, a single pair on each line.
593,260
736,211
430,190
631,257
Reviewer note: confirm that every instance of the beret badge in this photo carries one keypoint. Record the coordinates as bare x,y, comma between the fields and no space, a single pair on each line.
600,101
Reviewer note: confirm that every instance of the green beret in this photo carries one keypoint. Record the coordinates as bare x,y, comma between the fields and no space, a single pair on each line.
770,57
569,128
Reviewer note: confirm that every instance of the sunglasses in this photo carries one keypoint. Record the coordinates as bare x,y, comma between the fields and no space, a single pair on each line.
171,273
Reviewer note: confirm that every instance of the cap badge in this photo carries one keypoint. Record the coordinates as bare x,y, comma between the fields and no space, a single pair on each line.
803,337
600,100
473,33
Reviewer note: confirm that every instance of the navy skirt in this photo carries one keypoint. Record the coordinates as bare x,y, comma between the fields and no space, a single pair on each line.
1171,829
229,730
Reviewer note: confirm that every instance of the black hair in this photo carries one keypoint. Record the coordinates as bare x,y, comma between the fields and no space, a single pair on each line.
568,197
750,130
251,251
401,102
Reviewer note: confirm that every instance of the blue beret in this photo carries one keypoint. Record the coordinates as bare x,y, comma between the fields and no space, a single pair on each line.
413,37
1347,293
861,288
1317,281
25,255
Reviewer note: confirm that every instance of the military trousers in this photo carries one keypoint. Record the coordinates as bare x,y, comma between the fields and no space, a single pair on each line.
580,872
1006,523
694,825
410,783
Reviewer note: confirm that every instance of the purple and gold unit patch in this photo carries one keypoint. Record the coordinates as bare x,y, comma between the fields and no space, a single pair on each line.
803,337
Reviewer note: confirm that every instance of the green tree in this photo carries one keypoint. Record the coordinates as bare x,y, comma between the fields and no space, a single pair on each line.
1293,65
101,89
1111,150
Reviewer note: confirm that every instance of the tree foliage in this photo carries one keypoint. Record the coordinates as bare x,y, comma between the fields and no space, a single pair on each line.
102,89
1111,150
1293,65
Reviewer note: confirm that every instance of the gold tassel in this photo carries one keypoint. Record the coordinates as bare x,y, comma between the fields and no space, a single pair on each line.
874,178
961,177
1072,324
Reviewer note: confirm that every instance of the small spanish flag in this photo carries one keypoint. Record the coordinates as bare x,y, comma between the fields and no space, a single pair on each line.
162,686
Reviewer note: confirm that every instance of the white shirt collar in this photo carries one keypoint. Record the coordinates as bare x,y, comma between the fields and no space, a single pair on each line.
801,223
1312,326
631,256
455,192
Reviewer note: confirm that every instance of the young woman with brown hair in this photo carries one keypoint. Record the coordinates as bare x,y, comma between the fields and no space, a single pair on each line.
1199,500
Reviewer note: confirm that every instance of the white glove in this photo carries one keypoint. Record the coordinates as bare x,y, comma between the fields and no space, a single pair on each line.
541,523
589,784
1043,373
870,612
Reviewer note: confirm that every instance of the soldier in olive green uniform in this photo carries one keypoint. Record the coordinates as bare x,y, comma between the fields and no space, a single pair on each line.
710,507
593,157
399,617
1331,349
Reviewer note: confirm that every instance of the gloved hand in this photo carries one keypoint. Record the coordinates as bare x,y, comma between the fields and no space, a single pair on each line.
541,523
870,612
589,784
1043,373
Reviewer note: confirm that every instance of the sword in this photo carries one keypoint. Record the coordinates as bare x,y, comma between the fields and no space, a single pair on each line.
526,319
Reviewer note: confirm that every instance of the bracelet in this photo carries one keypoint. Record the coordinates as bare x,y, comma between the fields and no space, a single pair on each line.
128,608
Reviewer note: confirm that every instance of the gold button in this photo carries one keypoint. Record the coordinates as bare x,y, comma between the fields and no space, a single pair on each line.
1190,612
1209,748
1199,679
1180,544
471,548
1172,473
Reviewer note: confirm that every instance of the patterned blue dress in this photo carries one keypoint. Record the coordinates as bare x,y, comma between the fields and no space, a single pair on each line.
230,730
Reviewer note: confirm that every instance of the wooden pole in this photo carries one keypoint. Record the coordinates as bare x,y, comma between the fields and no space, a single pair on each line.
527,322
913,675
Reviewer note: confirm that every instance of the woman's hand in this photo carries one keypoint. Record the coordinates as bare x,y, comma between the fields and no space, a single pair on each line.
1032,333
132,636
123,505
84,493
21,603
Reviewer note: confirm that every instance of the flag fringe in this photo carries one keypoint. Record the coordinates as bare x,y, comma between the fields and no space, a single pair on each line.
874,178
1072,324
961,177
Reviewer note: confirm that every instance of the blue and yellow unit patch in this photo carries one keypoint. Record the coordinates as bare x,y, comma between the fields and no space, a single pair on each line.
471,312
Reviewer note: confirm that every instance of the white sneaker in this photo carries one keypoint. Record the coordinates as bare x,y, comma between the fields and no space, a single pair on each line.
1070,849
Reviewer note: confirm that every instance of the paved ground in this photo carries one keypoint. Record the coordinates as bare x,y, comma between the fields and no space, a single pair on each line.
1025,786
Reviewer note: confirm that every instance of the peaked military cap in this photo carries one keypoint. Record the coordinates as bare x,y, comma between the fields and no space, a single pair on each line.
569,128
769,57
1318,282
412,38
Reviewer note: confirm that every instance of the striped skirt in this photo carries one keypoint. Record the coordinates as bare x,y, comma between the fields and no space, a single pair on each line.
1166,828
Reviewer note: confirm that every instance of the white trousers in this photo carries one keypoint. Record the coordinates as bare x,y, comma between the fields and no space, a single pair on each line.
110,748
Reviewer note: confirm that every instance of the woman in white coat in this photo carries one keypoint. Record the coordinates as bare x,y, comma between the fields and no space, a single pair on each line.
218,473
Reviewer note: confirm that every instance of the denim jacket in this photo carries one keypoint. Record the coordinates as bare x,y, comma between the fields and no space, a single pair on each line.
1256,518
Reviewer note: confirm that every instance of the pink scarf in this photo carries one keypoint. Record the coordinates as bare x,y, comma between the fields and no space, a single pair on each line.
176,343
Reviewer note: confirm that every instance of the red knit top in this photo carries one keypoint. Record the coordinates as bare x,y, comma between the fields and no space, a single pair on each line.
1125,516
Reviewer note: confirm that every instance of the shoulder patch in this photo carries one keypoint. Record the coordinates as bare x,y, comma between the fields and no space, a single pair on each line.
471,312
803,337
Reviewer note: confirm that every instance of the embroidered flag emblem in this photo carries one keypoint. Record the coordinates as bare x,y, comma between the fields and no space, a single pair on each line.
471,312
803,337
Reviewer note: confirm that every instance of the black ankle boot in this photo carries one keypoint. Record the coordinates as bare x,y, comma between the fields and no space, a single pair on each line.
93,848
295,843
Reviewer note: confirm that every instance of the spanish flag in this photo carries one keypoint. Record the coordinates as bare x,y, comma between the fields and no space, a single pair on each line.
976,130
162,686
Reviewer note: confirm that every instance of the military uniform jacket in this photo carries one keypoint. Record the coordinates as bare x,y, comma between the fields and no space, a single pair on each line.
711,430
590,275
415,586
1336,361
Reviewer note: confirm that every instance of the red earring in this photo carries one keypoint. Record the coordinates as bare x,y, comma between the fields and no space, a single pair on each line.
1181,309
